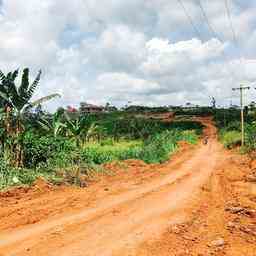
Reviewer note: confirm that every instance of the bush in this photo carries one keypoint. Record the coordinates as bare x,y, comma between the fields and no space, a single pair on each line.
40,149
230,138
250,136
234,126
119,126
159,147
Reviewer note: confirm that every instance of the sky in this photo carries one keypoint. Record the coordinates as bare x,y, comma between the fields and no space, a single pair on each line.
139,51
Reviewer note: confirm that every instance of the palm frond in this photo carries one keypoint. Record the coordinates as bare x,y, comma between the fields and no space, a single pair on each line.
9,76
14,95
8,85
15,74
24,83
33,86
4,96
58,128
45,125
44,99
2,76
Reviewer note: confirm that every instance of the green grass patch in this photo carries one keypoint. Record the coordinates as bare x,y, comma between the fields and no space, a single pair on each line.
100,153
155,149
230,139
10,176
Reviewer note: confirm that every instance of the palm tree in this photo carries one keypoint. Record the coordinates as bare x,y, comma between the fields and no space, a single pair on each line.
19,101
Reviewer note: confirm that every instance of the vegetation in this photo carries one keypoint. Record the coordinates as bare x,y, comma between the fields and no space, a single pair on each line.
230,139
63,145
16,101
228,122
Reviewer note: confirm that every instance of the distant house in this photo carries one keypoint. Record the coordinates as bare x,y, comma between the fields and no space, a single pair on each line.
86,108
71,109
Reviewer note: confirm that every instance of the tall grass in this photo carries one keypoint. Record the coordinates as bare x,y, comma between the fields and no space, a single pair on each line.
156,149
126,138
230,138
99,154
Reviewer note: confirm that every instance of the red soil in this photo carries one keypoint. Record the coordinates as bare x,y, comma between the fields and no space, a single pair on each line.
199,203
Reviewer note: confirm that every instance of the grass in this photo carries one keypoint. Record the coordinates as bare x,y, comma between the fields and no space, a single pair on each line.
99,153
10,176
155,149
160,147
58,161
230,139
71,174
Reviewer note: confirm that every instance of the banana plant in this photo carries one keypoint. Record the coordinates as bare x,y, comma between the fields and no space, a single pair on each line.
55,125
94,132
75,128
19,102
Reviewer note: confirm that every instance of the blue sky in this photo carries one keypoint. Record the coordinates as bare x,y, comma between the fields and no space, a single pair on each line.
144,51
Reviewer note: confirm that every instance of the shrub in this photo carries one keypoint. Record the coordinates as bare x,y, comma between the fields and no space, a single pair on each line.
40,149
230,138
250,136
158,147
190,136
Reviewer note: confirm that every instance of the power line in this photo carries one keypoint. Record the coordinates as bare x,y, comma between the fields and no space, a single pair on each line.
211,29
215,34
208,21
194,26
190,19
230,22
235,39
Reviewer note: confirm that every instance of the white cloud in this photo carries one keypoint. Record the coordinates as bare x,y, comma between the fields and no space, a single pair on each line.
165,58
121,83
144,51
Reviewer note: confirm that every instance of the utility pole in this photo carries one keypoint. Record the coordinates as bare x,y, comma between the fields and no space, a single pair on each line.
241,89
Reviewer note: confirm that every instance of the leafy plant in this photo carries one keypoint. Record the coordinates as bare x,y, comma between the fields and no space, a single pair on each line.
55,125
230,138
17,100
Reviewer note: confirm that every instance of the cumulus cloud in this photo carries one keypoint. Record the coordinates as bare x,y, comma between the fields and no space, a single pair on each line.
141,51
165,58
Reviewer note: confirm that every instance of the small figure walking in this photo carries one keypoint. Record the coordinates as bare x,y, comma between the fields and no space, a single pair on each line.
205,140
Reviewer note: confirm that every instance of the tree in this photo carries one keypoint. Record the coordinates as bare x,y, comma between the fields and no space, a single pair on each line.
18,100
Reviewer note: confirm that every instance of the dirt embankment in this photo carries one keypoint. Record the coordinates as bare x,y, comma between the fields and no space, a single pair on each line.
224,221
201,203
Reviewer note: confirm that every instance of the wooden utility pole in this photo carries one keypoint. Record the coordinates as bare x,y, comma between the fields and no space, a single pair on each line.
241,89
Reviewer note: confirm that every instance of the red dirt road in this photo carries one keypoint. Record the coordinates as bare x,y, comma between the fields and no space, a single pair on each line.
127,214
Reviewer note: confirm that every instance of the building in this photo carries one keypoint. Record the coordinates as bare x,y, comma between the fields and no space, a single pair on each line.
86,108
71,109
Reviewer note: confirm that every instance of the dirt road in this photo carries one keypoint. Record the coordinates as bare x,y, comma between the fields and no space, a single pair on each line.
125,215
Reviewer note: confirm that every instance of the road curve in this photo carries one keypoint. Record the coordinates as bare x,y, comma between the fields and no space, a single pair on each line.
119,223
